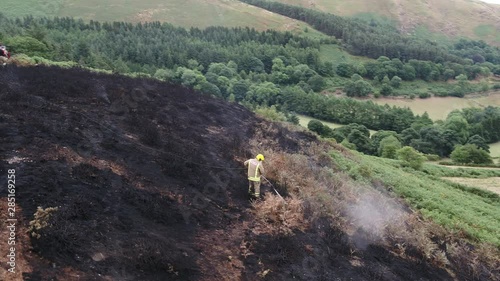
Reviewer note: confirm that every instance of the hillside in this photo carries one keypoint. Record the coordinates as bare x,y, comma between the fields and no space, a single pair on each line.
197,13
148,183
470,18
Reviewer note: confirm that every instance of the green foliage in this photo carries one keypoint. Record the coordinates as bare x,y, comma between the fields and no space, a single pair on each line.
359,88
386,90
292,118
479,141
348,144
345,70
27,45
396,82
270,113
424,95
470,153
433,157
164,74
317,83
388,147
411,157
318,127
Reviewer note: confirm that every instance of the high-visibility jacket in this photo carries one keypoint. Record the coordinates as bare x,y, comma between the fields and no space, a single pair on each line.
255,169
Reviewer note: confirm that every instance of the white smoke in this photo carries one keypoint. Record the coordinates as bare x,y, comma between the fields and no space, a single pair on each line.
370,217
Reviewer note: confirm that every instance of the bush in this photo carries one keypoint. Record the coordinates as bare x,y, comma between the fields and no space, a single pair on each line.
432,157
411,157
470,154
279,216
496,86
424,95
271,113
41,220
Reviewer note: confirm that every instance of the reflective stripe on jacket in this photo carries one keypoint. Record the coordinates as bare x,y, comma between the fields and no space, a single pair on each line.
255,169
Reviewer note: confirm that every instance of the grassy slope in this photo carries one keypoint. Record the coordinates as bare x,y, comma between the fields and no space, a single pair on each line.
187,13
474,212
16,8
471,18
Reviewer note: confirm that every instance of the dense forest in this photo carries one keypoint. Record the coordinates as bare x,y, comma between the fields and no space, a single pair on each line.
264,69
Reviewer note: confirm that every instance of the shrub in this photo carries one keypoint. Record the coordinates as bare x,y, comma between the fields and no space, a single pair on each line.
432,157
270,113
411,157
41,220
424,95
279,216
470,153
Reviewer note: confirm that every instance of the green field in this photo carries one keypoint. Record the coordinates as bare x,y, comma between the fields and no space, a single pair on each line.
337,55
473,211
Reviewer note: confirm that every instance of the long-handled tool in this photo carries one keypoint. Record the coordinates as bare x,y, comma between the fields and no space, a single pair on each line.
274,189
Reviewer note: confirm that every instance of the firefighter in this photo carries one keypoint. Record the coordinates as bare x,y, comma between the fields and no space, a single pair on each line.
4,54
255,170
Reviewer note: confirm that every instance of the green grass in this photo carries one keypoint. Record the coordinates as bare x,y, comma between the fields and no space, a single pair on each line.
459,208
336,55
484,30
495,150
304,120
16,8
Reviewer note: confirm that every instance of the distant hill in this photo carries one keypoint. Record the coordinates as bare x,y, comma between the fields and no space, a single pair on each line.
470,18
187,13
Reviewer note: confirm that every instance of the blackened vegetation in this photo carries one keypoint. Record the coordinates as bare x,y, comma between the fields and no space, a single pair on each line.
120,172
142,170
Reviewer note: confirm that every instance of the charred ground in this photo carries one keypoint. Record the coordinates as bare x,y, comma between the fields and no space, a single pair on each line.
148,180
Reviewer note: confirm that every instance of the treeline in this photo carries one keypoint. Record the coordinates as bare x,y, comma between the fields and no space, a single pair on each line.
376,39
390,72
464,135
126,47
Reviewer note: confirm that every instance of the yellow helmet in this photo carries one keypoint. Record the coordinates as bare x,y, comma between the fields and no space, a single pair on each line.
260,157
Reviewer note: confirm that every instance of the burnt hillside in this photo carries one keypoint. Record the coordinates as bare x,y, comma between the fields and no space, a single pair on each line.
149,185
